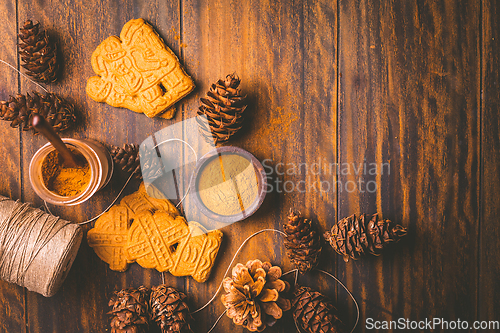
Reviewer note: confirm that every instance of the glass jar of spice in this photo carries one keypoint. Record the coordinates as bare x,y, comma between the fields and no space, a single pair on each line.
59,185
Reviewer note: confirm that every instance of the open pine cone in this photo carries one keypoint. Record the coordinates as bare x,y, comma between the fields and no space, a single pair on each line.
38,53
19,110
355,236
223,106
130,311
302,242
314,312
254,296
169,310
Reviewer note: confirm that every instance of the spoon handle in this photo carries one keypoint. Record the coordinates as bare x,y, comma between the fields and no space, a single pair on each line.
42,126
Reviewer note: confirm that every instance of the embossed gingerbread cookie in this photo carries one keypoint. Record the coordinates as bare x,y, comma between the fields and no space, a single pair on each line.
153,239
167,243
138,72
196,254
109,236
146,228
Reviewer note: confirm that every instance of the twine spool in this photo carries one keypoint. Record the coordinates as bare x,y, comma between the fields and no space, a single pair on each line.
36,249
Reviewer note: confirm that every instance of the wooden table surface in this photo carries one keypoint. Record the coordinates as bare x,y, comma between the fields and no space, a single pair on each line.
414,84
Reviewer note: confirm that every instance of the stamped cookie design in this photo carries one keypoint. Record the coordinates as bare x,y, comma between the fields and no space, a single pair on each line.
109,237
168,243
196,254
139,72
146,228
153,239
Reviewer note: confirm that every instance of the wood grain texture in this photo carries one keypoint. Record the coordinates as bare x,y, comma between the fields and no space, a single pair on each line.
285,54
12,303
489,288
409,96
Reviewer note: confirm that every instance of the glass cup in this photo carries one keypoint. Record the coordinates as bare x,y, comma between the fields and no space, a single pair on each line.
101,170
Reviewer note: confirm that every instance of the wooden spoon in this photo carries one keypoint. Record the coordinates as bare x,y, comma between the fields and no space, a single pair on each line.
42,126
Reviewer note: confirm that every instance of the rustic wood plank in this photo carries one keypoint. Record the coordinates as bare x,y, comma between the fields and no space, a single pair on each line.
409,97
318,119
489,289
81,304
285,54
9,181
12,302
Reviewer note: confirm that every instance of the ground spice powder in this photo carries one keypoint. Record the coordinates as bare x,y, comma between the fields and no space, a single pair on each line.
228,184
62,180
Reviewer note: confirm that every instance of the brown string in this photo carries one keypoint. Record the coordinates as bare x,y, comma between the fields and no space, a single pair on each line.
291,271
24,234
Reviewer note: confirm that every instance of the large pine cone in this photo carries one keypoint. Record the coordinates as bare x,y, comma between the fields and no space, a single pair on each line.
223,106
254,296
314,313
355,236
303,243
19,110
128,159
38,52
130,311
169,310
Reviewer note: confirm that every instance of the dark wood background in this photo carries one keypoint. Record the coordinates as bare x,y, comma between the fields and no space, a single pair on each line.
410,83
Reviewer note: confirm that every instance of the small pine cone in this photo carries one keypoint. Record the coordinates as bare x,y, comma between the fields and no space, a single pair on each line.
314,313
19,110
38,53
128,159
223,106
355,236
130,311
254,295
302,242
169,310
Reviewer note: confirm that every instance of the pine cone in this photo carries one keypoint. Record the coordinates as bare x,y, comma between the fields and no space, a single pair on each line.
302,243
254,296
19,111
38,52
128,159
314,313
356,236
130,311
223,106
169,310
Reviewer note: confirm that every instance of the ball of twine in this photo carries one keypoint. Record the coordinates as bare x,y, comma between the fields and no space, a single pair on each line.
36,249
